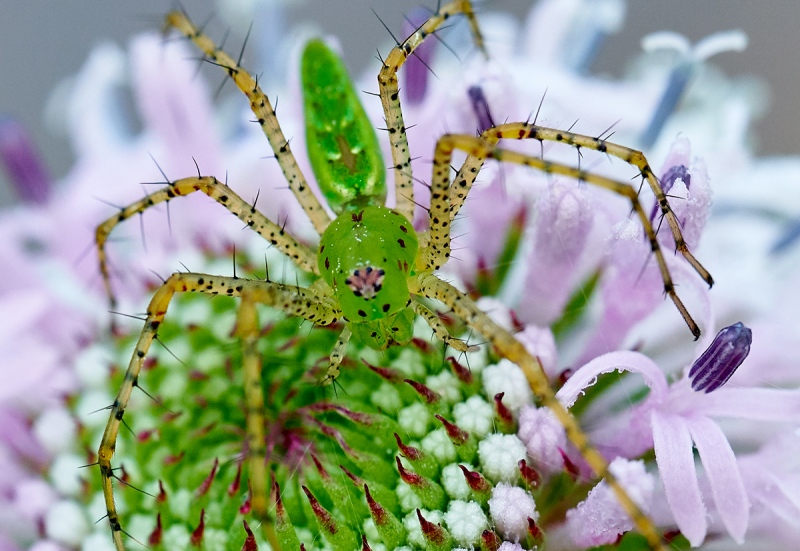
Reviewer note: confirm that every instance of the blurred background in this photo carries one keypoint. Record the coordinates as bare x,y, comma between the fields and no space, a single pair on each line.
45,42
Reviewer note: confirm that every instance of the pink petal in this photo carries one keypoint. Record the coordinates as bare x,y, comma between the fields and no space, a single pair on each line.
723,474
563,221
622,360
673,448
175,105
759,404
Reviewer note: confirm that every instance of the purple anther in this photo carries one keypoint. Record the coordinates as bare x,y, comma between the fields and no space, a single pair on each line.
678,172
417,66
480,107
24,165
720,360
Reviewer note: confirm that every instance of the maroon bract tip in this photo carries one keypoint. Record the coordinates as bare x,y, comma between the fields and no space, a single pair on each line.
457,435
427,394
206,484
323,517
529,474
409,452
409,477
475,480
391,375
157,534
464,374
162,493
249,542
197,536
502,411
233,487
490,540
535,532
434,533
376,510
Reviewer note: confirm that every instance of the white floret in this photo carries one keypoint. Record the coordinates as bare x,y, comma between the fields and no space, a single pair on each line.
66,523
510,507
453,481
466,522
476,415
500,455
506,377
414,419
56,429
446,385
439,445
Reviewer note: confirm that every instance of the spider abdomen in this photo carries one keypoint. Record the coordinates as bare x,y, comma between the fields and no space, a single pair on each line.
341,141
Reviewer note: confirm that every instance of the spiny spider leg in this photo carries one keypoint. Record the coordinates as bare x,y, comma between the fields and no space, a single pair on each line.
265,114
439,329
301,255
436,254
336,356
389,92
430,286
521,131
290,299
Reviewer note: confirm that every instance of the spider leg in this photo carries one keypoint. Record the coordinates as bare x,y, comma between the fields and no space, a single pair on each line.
438,250
390,98
292,300
265,114
522,131
336,357
439,329
300,254
430,286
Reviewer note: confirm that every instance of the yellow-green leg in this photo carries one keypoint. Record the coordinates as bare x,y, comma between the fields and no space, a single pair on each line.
301,255
291,300
336,357
439,329
264,113
525,131
430,286
390,98
438,250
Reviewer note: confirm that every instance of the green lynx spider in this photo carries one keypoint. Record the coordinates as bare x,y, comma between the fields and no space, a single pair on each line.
373,287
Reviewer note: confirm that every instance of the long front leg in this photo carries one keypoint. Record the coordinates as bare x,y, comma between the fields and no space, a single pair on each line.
390,97
301,255
265,114
438,249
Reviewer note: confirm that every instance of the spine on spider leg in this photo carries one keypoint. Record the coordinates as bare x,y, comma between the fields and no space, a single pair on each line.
265,114
390,96
276,235
631,156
